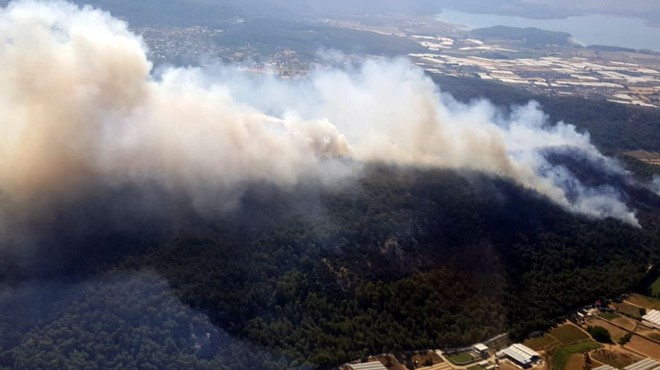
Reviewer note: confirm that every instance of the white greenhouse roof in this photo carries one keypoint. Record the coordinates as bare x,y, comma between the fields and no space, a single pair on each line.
604,367
653,317
648,364
520,353
368,366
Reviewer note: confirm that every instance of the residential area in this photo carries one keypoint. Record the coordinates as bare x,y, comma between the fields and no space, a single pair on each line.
542,62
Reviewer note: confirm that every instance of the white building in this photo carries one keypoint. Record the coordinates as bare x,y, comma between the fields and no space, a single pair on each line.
652,319
604,367
520,354
481,350
647,364
376,365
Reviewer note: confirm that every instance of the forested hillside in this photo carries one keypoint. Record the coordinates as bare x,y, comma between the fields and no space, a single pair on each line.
224,218
398,259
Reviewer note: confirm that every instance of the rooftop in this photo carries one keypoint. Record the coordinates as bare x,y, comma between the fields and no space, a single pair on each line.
368,366
653,317
648,364
520,353
481,347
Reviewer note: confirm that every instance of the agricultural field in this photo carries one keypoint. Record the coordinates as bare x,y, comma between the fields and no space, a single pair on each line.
462,358
429,358
575,362
609,315
544,343
644,347
649,333
560,357
389,361
568,334
644,301
617,359
628,310
615,332
625,322
652,158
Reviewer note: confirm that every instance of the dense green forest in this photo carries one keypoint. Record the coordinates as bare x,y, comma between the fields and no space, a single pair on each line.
312,277
118,320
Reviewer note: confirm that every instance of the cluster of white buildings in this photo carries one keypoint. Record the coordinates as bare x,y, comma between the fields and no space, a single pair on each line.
624,83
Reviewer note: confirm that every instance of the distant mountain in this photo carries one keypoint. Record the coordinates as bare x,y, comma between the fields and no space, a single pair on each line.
181,13
214,12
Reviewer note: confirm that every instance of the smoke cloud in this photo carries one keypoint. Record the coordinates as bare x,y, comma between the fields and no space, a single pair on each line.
655,184
80,105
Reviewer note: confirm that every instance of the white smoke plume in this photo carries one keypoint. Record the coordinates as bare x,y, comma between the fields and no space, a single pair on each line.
80,103
655,184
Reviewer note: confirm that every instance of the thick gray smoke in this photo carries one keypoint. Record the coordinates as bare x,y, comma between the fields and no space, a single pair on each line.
80,105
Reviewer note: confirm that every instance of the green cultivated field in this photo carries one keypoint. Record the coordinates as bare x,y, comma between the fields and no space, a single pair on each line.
461,358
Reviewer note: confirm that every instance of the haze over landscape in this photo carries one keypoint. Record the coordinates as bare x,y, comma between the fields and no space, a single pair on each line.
270,184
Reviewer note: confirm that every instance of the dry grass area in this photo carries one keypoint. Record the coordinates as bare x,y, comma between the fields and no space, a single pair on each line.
643,301
627,309
389,361
559,358
614,358
651,333
544,343
625,322
429,358
644,346
568,333
506,365
615,332
575,362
